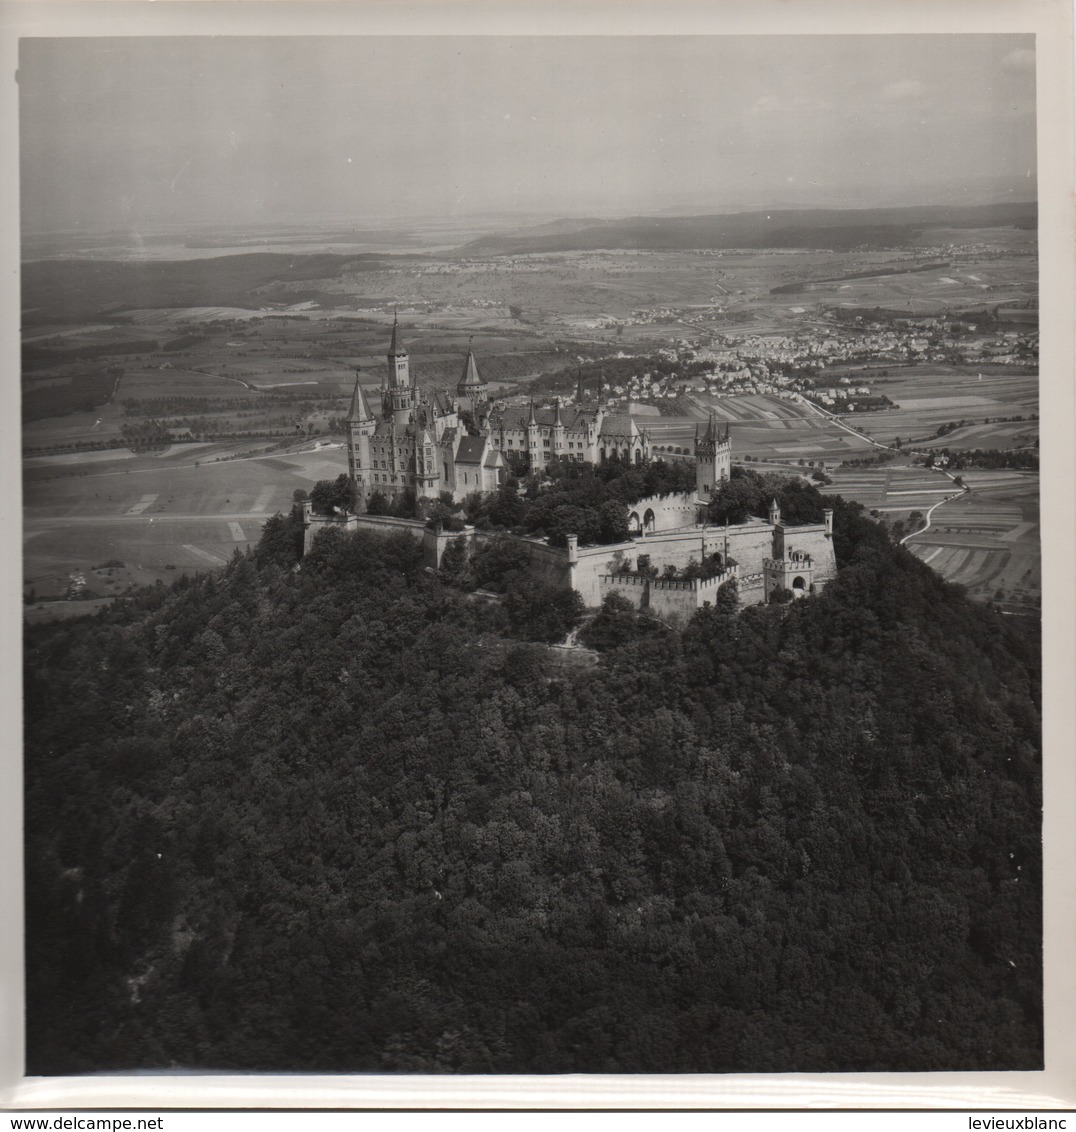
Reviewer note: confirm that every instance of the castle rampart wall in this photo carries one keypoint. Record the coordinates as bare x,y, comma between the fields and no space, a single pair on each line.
588,569
677,509
670,599
813,540
385,524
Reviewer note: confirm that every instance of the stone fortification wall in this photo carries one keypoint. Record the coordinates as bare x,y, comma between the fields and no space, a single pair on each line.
666,512
384,524
748,545
548,564
813,540
673,600
586,569
589,563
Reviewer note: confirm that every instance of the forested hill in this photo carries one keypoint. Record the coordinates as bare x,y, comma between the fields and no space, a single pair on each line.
831,229
336,819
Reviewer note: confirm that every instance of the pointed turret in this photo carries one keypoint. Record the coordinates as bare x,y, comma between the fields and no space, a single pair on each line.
471,390
580,392
359,424
713,458
775,512
395,348
470,376
532,420
558,421
711,433
360,407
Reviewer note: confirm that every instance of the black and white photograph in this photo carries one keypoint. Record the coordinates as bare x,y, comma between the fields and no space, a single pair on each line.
532,559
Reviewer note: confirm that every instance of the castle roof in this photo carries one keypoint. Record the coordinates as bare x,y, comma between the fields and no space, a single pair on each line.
360,408
470,378
471,450
448,437
573,418
442,402
619,424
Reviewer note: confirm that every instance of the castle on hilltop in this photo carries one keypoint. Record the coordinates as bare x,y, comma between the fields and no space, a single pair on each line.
418,443
674,560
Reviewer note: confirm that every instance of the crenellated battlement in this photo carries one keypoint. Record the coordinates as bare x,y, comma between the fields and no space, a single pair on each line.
670,585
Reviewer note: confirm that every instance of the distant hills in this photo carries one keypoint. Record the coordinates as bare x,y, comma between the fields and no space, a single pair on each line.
822,229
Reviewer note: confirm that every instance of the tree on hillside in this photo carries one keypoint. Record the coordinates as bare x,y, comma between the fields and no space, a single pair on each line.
340,494
541,612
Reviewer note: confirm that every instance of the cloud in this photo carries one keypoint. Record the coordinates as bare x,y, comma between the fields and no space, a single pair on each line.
1021,60
903,89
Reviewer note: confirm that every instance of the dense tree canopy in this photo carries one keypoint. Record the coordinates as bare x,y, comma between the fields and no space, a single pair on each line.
565,497
339,819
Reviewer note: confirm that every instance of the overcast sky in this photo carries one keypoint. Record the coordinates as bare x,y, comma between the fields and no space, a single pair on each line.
139,132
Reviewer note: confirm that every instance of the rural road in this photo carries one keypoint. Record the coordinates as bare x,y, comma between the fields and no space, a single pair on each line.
931,510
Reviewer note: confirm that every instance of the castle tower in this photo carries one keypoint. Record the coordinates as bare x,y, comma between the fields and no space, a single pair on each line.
560,432
359,425
534,440
471,390
427,480
713,458
399,395
775,512
794,572
580,391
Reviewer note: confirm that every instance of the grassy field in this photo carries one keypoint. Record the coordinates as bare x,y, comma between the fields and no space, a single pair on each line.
158,516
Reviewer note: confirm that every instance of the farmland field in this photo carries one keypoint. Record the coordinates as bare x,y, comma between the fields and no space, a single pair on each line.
930,396
895,490
154,514
988,539
259,352
764,427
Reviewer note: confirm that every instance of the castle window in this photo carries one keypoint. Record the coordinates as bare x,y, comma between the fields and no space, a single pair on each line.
546,443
